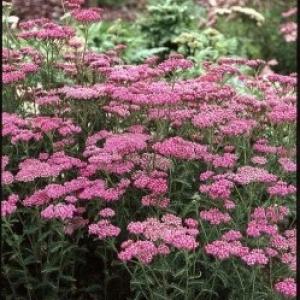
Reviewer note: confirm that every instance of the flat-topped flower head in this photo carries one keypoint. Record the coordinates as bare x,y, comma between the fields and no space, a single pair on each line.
88,15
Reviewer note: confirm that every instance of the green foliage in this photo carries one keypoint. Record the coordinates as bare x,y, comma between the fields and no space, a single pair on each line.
265,42
111,2
106,35
165,20
208,44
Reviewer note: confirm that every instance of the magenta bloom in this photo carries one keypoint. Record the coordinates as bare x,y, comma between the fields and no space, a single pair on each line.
89,15
287,287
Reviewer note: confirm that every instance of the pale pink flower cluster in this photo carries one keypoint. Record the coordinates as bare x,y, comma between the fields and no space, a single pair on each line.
175,62
81,93
212,115
107,213
9,206
59,211
46,100
286,244
44,29
16,128
262,146
223,250
289,31
287,287
219,189
255,257
110,157
283,113
98,189
132,73
287,165
155,182
88,15
104,229
30,169
144,251
281,189
176,116
232,235
155,200
259,160
238,127
169,231
227,160
182,149
288,80
48,124
6,176
206,175
35,128
264,220
214,216
249,174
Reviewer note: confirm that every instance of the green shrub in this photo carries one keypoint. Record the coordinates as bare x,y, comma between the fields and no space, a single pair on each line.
264,41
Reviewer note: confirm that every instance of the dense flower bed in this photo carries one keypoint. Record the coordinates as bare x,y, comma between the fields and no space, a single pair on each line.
186,184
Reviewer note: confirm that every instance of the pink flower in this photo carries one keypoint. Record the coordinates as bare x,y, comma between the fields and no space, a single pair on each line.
206,175
231,235
259,160
9,206
104,229
191,223
281,189
59,211
89,15
255,257
107,213
144,251
287,287
287,165
220,189
219,249
214,216
248,174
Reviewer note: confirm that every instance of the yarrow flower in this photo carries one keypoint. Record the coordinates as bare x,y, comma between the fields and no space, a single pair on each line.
255,257
88,15
287,165
259,160
60,211
214,216
9,206
281,189
104,229
107,213
287,287
169,231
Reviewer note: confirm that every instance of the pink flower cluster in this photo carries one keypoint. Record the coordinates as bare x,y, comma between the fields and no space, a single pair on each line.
9,206
281,189
160,234
219,189
264,220
6,176
44,29
287,165
19,129
248,174
59,211
287,287
214,216
88,15
104,229
59,162
182,149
